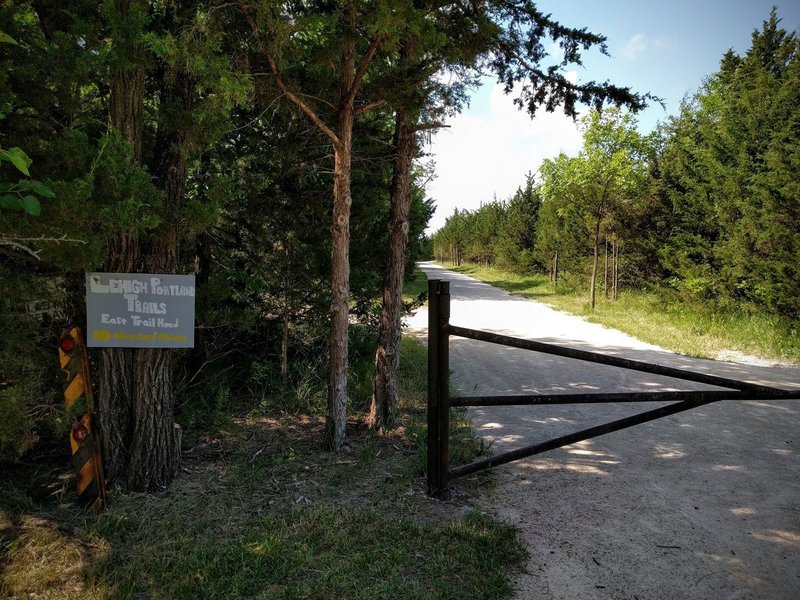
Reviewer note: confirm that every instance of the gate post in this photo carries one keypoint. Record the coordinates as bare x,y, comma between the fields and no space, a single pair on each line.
438,389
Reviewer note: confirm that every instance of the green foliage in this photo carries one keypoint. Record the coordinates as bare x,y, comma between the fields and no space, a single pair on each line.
18,158
663,316
606,179
561,233
261,511
31,405
714,210
728,183
124,193
470,235
515,246
18,196
708,204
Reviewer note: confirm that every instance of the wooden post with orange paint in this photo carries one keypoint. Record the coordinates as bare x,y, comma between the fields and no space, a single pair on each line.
83,440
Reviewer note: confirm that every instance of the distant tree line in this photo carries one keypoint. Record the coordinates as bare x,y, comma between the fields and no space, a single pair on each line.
709,204
267,147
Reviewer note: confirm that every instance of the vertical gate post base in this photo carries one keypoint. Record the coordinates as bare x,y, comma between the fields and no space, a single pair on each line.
438,450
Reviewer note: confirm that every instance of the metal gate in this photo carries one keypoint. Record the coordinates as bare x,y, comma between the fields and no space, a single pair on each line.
439,472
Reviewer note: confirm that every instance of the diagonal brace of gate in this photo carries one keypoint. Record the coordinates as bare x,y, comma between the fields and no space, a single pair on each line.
440,401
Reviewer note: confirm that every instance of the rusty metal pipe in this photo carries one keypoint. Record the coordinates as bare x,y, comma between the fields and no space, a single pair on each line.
601,397
604,359
584,434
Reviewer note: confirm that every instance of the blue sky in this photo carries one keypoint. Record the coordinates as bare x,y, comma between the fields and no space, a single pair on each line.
665,48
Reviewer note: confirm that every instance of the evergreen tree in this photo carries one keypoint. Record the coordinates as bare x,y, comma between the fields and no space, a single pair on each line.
729,183
516,241
603,181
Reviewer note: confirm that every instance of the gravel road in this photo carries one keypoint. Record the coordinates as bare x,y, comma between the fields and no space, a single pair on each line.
701,505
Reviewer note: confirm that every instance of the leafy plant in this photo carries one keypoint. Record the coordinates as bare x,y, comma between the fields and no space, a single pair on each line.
19,196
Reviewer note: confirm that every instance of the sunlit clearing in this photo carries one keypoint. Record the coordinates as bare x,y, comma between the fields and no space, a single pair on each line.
723,468
779,536
771,406
587,452
583,386
550,420
551,465
743,511
669,451
725,560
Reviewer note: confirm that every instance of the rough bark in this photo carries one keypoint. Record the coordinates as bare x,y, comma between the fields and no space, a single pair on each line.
341,136
155,444
114,402
605,271
202,273
116,373
555,269
336,419
615,272
383,406
595,261
127,82
285,341
286,313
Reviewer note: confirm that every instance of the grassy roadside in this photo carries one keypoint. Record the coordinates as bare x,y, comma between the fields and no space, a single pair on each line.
688,328
260,512
415,287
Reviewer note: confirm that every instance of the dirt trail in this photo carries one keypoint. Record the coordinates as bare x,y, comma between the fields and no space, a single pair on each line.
704,504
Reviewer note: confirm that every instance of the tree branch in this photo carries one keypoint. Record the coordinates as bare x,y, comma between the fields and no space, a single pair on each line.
291,96
297,101
369,106
427,126
362,68
17,243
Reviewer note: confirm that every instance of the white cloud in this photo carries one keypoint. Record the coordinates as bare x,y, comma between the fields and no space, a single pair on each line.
479,158
664,43
635,46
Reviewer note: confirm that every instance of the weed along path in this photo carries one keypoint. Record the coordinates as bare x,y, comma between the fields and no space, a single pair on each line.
703,504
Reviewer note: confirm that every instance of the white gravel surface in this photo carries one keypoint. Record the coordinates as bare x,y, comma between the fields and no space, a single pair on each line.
701,505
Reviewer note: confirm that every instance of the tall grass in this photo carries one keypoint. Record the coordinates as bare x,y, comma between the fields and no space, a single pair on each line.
659,317
260,512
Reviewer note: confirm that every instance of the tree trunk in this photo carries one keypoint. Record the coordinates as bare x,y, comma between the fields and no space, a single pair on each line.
615,272
285,340
127,81
336,421
383,406
555,269
595,261
202,274
287,301
342,140
156,442
114,403
605,272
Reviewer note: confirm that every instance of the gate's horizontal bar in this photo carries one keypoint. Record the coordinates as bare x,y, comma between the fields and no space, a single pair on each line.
600,397
585,434
603,359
